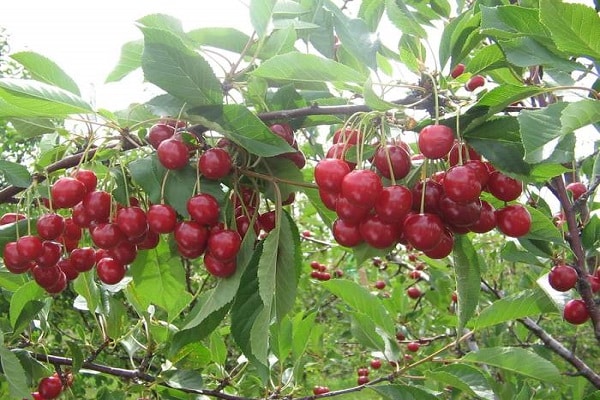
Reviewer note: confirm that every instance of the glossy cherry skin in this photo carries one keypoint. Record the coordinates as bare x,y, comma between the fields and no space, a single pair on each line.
50,255
13,261
504,187
457,71
161,218
132,221
215,163
68,268
125,252
110,271
513,220
9,218
487,219
459,214
468,153
191,234
204,209
423,231
443,248
88,178
50,226
349,211
329,173
562,277
350,136
362,187
50,387
413,346
30,247
377,233
46,276
66,192
346,234
267,220
158,133
97,205
106,235
399,160
150,241
320,390
285,132
475,82
173,154
575,312
80,216
433,193
577,189
394,203
340,150
219,268
224,244
414,292
461,184
329,199
435,141
83,258
190,253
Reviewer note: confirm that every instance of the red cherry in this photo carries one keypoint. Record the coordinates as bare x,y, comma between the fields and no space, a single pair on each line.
423,231
562,277
285,132
72,231
50,255
362,371
513,220
340,150
215,163
481,171
173,154
576,312
435,141
97,205
191,235
414,292
204,209
150,241
362,187
132,221
468,153
487,219
376,363
433,192
329,173
110,271
224,244
9,218
297,157
50,387
30,247
80,216
459,214
158,133
245,196
106,235
346,234
577,189
349,211
475,82
349,136
380,285
329,199
399,160
594,283
462,184
317,390
13,261
413,346
394,203
267,221
443,248
83,259
46,276
218,267
504,187
161,218
88,178
242,224
66,192
362,380
377,232
68,268
50,226
125,252
457,71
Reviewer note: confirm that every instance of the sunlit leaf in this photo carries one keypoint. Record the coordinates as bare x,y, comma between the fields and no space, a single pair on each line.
519,305
15,174
129,61
468,279
45,70
261,12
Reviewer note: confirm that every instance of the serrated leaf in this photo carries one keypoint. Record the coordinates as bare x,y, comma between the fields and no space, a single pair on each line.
129,60
404,392
357,39
506,22
171,65
29,98
403,18
515,359
261,12
15,174
487,58
464,377
295,66
32,127
364,331
229,39
525,52
460,36
543,229
45,70
502,96
468,279
519,305
28,292
14,374
575,28
412,53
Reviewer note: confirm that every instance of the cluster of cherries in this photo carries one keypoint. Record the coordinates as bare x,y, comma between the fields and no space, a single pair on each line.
320,273
427,215
51,387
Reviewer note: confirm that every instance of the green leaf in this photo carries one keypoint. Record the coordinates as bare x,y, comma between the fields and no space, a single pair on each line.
27,293
591,233
517,360
303,326
261,12
364,331
468,279
371,12
45,70
279,42
229,39
360,299
512,253
502,96
32,127
403,18
464,377
8,232
525,52
85,286
404,392
507,22
14,373
76,355
185,379
412,53
575,28
129,61
357,39
301,67
15,174
543,229
156,271
171,65
519,305
29,98
487,58
243,127
460,36
145,172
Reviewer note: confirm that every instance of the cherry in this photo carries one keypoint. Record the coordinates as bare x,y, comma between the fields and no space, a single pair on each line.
380,285
362,380
475,82
36,396
423,231
110,271
504,187
562,277
577,189
329,173
267,221
468,153
161,218
173,154
132,221
125,252
204,209
13,261
191,235
242,224
377,232
413,346
285,132
158,133
457,71
375,363
50,255
513,220
329,199
350,136
462,184
50,226
594,282
83,259
224,244
67,266
576,312
481,171
362,187
215,163
80,216
72,231
150,241
66,192
394,203
346,234
317,390
246,197
349,211
433,192
442,249
435,141
487,219
362,371
50,387
459,214
106,235
297,157
60,284
218,267
413,292
339,150
46,276
97,205
9,218
29,247
88,178
399,161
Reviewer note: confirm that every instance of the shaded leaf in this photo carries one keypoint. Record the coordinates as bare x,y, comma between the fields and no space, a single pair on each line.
404,392
519,305
468,279
469,379
15,174
14,373
27,293
261,12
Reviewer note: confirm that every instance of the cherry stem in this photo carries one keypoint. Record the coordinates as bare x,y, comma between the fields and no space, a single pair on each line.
423,186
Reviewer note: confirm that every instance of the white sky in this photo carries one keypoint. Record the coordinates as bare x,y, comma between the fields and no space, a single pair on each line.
85,37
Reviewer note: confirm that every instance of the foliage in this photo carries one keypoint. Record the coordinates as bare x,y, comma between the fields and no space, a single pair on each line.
297,310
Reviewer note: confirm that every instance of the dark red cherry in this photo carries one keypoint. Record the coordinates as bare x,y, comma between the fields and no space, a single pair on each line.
110,271
215,163
50,226
362,187
423,231
218,267
204,209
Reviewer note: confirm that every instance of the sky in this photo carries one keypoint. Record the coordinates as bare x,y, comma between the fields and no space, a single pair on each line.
85,37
